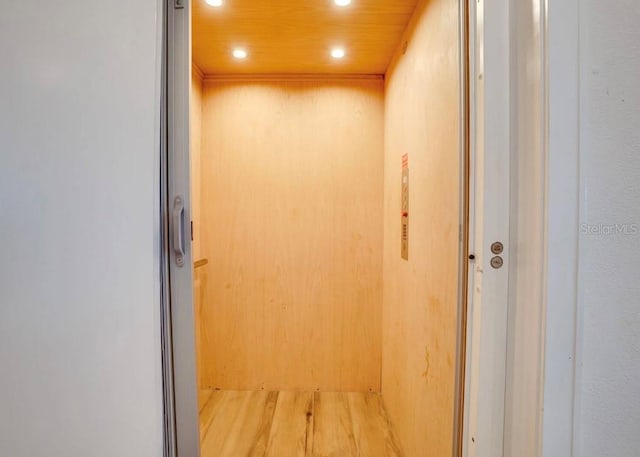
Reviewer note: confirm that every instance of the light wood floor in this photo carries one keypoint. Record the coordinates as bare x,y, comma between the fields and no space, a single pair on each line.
295,424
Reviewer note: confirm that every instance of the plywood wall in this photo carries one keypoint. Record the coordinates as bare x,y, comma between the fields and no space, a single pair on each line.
419,304
200,290
292,192
195,137
195,126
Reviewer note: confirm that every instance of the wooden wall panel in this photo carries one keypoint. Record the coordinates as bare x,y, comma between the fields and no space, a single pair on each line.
196,154
420,295
200,290
195,137
292,192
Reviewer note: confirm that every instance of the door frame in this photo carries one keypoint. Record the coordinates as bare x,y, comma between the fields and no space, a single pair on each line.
539,69
181,420
481,370
489,222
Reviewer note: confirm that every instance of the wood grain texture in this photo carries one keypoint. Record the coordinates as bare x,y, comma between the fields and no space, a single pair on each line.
195,144
222,422
292,194
210,403
296,424
203,397
332,426
249,434
200,298
372,429
292,431
420,295
195,139
295,37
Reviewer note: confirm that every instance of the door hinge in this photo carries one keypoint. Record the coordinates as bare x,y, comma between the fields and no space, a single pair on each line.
178,4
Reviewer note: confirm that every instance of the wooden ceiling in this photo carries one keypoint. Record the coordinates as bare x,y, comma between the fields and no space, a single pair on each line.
296,36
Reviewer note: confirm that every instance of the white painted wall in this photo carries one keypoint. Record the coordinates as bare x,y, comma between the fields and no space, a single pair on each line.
608,371
80,367
562,221
592,360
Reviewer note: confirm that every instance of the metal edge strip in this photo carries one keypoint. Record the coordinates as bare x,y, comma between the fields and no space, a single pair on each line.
169,419
463,262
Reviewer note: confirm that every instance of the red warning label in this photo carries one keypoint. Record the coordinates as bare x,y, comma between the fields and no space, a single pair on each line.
405,161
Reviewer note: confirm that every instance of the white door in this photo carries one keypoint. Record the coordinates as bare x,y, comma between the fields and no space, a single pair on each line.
80,359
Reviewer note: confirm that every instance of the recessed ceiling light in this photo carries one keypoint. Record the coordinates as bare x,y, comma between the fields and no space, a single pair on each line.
239,53
218,3
338,53
342,2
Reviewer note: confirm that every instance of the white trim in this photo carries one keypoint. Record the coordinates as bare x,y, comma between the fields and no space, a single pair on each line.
555,413
562,312
554,356
470,376
490,70
525,342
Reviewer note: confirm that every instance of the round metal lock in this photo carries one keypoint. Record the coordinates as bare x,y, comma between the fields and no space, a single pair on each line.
497,247
497,262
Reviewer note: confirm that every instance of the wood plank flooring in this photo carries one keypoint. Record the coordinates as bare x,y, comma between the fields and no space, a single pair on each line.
295,424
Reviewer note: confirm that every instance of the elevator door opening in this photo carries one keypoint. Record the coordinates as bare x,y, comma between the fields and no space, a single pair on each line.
327,196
